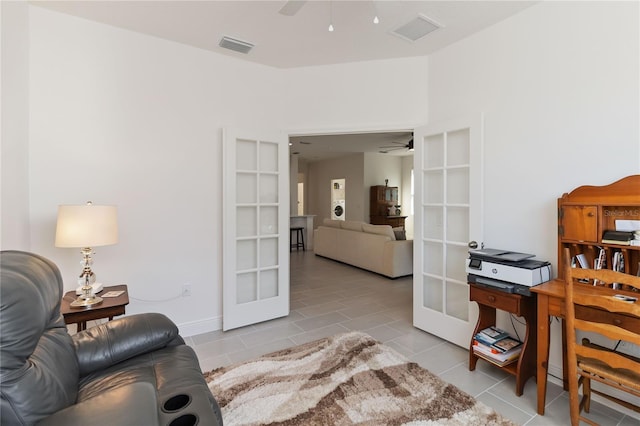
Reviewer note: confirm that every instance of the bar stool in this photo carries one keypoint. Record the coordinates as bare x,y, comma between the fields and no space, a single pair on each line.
299,237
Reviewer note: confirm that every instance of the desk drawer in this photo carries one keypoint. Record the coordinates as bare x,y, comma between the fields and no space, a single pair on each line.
597,315
505,301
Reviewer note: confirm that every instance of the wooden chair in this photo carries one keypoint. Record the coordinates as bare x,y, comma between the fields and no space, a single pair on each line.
588,361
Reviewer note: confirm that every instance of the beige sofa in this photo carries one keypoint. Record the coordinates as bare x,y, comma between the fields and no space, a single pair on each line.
370,247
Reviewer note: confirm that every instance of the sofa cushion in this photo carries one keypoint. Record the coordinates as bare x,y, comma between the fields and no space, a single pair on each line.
385,230
332,223
352,225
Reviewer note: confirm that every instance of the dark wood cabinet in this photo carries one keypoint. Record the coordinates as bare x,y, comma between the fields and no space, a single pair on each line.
382,198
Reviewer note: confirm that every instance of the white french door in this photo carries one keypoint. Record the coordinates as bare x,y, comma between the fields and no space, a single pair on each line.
448,216
255,222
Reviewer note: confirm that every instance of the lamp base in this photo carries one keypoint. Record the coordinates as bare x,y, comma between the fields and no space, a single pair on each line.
82,302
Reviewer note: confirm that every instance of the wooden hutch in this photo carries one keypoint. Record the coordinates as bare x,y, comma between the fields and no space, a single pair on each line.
381,199
587,212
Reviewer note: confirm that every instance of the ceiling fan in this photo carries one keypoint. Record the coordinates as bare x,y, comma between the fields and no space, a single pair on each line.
397,145
292,7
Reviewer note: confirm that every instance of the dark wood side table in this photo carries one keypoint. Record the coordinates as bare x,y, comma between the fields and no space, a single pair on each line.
109,308
488,301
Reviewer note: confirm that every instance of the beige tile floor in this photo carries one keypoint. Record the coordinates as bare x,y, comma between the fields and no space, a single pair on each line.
328,297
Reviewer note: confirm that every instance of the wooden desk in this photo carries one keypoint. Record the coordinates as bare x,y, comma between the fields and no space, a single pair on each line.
551,303
109,308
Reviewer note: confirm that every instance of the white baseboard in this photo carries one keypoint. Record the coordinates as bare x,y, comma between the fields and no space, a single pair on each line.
199,327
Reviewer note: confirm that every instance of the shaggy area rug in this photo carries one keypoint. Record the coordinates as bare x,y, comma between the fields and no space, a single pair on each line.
342,380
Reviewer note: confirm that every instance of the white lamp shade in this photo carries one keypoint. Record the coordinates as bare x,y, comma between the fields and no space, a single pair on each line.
86,226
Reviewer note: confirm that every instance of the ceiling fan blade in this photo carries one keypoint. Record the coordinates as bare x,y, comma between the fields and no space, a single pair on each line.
387,150
292,7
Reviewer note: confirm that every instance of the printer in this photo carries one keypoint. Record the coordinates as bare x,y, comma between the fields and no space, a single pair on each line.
506,270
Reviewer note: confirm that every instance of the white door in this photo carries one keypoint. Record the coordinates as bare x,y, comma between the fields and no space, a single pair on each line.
255,226
448,215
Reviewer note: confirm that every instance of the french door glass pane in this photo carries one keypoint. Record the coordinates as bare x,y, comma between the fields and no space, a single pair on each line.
458,148
456,256
458,186
433,223
247,287
268,283
246,255
268,252
268,157
249,184
434,151
458,300
433,187
268,189
246,222
432,262
246,155
458,224
432,293
268,220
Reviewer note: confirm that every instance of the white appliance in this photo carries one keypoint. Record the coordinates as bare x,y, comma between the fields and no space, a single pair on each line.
337,210
508,266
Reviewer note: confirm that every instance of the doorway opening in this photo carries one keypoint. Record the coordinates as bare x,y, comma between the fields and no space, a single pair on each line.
300,209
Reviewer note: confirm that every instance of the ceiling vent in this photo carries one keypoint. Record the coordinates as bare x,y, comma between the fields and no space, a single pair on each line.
236,45
417,28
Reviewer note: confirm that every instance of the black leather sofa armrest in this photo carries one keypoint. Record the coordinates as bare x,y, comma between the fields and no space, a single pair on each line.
116,341
132,405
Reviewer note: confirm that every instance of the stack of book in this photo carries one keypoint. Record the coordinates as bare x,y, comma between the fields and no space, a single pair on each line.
496,346
622,238
636,238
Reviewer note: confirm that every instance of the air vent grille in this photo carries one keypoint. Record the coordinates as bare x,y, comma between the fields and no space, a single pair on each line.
236,45
417,28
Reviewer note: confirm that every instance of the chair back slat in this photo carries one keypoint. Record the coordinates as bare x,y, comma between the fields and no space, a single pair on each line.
603,364
608,302
606,277
612,359
612,331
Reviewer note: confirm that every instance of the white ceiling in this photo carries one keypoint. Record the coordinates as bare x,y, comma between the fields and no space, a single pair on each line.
322,147
303,39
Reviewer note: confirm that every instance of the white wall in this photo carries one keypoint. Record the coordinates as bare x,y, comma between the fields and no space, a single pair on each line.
376,95
320,173
559,87
14,122
127,119
377,168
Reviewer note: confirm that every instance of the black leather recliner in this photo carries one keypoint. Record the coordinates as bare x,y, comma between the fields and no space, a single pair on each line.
133,371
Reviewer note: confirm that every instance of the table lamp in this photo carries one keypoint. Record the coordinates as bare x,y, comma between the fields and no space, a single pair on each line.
86,226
